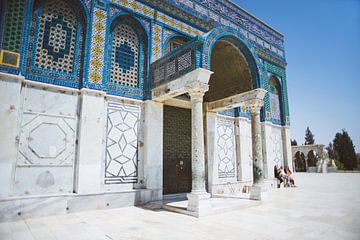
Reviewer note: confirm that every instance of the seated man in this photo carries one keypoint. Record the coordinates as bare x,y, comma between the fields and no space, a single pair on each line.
281,176
277,175
289,175
284,176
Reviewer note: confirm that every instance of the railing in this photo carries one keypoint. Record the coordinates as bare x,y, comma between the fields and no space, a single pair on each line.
177,63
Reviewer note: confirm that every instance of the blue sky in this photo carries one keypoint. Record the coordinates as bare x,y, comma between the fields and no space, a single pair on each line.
322,44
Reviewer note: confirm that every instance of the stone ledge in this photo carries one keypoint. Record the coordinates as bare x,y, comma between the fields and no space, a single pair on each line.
17,208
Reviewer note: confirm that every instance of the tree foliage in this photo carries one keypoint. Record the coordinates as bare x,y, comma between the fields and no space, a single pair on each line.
339,165
344,150
293,142
309,137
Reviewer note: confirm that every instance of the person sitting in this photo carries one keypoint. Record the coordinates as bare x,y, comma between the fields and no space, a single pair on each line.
284,176
277,175
289,175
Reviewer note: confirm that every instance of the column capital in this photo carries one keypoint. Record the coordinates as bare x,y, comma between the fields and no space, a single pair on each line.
197,90
255,105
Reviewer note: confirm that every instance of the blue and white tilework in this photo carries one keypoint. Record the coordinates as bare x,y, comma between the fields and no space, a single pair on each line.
125,56
56,38
55,53
275,106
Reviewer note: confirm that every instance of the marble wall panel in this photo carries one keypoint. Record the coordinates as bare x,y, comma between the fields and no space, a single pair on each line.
246,150
225,159
121,162
10,92
153,145
91,142
47,142
274,144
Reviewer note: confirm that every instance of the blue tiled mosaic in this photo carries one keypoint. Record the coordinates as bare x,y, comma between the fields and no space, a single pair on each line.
57,33
125,57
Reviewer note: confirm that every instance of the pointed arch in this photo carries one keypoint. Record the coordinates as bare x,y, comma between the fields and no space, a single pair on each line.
237,39
127,57
173,42
276,100
55,42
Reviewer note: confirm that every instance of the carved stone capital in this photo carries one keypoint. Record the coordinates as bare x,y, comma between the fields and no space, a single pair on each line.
255,105
197,90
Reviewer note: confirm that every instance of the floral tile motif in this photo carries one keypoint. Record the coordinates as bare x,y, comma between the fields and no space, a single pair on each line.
97,46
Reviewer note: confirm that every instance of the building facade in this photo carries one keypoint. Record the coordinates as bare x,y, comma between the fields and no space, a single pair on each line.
115,103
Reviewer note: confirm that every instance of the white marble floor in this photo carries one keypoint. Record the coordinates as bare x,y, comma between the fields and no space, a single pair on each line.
324,206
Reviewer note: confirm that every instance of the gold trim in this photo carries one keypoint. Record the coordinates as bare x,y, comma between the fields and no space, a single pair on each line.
9,52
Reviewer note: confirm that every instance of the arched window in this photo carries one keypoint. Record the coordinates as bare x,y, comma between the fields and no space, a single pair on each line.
174,43
125,56
275,99
56,42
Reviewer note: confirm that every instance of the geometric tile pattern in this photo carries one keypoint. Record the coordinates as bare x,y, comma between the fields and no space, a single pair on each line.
54,47
47,140
276,151
181,26
13,25
225,142
46,152
275,106
235,16
121,143
156,42
125,56
146,10
97,46
270,70
56,37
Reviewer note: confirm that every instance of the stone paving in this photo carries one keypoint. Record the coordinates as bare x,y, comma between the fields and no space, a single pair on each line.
324,206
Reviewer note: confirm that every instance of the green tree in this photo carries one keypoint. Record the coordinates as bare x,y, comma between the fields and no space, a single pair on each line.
339,165
293,142
309,137
344,150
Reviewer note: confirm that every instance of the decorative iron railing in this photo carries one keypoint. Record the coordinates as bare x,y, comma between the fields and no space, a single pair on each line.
176,63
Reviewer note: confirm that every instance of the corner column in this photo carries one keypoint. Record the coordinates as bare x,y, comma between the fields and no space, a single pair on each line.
196,91
258,166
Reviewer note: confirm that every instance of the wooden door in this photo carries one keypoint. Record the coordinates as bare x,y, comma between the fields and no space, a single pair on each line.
177,150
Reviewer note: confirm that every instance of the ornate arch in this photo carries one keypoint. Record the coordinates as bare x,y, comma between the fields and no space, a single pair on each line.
236,38
171,38
55,46
126,75
278,91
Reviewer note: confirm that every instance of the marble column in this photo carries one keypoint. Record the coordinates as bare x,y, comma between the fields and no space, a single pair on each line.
196,91
254,108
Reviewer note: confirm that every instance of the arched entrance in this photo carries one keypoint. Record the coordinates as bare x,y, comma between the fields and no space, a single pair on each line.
225,54
231,72
235,72
234,82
